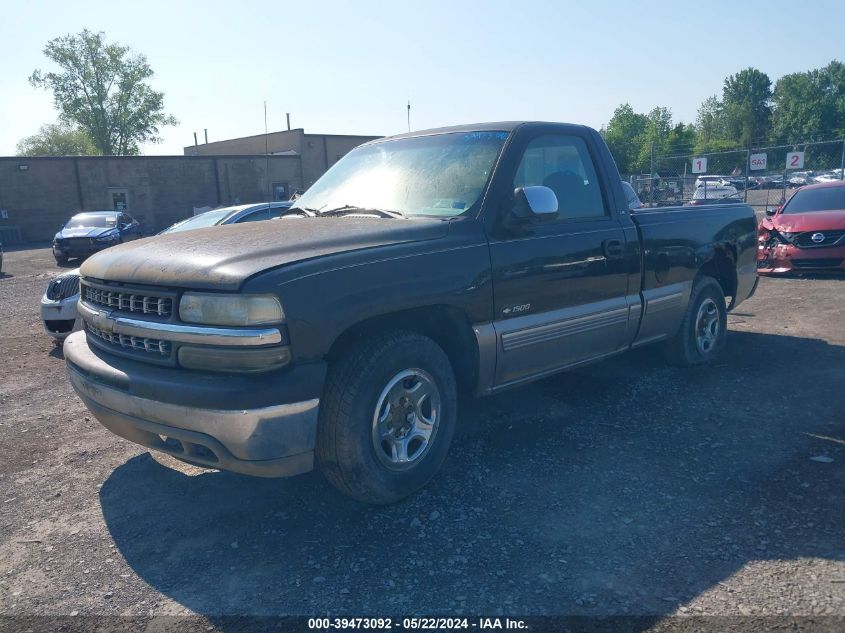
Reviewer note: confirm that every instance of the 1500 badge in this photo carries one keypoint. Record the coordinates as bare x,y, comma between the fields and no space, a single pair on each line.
511,310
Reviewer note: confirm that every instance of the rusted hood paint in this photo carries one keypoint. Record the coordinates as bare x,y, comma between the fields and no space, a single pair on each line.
223,257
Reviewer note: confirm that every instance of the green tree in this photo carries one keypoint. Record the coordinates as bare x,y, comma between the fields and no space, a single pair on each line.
657,130
711,127
681,139
55,139
810,105
103,89
746,105
624,136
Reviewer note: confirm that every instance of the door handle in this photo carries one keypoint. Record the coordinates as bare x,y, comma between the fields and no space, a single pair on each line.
612,249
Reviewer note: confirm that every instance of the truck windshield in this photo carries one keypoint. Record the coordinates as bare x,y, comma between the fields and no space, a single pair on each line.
810,200
441,175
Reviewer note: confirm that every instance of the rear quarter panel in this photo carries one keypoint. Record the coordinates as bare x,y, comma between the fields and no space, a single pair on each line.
677,243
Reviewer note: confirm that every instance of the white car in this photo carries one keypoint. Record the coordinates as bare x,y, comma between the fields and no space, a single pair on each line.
713,194
631,196
58,306
711,181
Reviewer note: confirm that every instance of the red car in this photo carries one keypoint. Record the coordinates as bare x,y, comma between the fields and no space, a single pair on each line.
806,234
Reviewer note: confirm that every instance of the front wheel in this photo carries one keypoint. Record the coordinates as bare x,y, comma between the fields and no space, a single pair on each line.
701,336
387,417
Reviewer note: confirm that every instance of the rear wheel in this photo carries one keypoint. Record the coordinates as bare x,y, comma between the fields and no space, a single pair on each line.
701,336
387,417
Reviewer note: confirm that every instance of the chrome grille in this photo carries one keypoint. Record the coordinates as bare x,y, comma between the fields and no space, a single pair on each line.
129,302
70,242
831,238
63,287
137,343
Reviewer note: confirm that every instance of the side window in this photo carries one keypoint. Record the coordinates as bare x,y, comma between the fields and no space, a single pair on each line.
256,216
563,164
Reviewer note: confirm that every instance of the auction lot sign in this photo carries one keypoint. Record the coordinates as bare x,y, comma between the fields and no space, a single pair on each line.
757,161
795,160
699,165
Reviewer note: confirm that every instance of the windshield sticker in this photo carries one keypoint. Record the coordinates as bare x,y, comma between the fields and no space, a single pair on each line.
486,136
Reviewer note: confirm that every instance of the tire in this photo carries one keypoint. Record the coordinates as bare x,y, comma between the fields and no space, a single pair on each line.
701,336
61,260
374,372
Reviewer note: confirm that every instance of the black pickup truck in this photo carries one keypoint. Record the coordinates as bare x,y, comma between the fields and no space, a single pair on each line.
471,258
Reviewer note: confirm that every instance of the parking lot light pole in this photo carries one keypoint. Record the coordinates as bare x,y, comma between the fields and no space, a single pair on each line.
747,167
842,162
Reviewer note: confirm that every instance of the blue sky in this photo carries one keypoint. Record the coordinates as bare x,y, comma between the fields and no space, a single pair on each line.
351,67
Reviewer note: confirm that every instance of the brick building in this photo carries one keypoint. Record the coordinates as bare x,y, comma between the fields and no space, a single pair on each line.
38,194
317,152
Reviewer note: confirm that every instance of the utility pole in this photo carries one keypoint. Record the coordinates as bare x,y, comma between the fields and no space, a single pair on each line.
267,158
653,168
842,163
747,167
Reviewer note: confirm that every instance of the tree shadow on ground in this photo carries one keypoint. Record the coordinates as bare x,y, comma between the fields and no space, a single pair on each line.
626,488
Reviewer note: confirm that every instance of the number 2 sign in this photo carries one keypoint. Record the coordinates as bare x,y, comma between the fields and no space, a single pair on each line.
699,165
794,160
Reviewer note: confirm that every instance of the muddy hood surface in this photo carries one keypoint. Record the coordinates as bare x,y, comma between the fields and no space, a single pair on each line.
223,257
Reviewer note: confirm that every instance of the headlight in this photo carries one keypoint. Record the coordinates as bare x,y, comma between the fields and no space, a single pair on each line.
219,309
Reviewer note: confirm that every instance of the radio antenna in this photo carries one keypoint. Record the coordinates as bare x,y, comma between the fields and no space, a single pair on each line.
267,157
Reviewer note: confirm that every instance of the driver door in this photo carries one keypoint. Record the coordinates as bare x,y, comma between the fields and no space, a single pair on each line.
560,287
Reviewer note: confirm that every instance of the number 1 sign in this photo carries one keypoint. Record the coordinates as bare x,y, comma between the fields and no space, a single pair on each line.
699,165
794,160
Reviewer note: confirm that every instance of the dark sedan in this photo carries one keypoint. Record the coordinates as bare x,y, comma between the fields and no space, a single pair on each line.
86,233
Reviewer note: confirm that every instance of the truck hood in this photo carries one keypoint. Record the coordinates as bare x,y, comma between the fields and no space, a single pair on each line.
815,221
223,257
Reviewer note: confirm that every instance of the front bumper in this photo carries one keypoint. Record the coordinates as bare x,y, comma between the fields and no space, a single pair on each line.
201,418
83,249
60,318
786,258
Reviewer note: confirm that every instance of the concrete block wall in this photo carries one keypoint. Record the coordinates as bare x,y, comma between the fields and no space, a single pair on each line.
39,194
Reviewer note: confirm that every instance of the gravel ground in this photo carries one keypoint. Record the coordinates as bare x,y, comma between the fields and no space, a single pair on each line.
625,488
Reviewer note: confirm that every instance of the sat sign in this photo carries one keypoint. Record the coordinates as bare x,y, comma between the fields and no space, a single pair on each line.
757,161
699,165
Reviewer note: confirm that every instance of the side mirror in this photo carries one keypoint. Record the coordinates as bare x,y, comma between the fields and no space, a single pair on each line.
771,211
535,202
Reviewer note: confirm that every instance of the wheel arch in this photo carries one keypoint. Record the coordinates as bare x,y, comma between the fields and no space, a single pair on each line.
447,326
721,266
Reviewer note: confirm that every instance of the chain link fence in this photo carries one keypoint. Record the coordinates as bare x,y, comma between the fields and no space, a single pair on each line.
762,177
